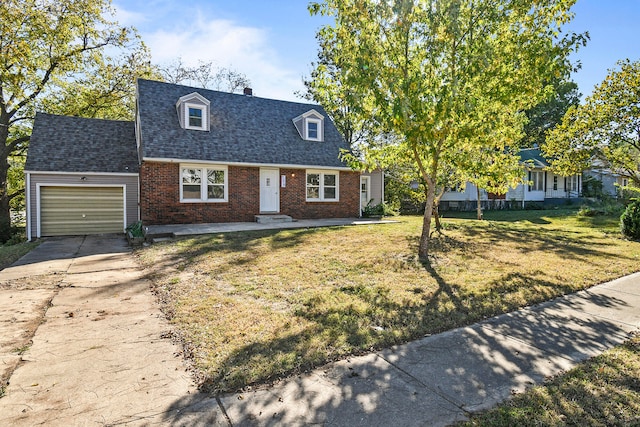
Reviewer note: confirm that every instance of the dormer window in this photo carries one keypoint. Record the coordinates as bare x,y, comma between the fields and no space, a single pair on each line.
195,117
313,129
193,112
310,126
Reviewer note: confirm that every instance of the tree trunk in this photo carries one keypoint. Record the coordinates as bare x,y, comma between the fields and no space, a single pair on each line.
423,250
5,218
5,214
478,204
436,217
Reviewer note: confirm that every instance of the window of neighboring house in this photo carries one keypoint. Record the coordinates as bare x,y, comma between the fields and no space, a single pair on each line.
322,186
537,181
572,183
313,129
625,182
555,183
203,184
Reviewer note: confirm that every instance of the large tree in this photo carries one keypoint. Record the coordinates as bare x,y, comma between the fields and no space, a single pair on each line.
545,116
41,43
435,73
605,129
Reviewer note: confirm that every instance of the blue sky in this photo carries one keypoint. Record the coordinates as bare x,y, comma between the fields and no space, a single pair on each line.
273,41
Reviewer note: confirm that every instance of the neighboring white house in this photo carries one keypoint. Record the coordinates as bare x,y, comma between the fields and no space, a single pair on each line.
542,185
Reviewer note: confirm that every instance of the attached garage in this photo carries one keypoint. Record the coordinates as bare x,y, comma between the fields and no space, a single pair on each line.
81,210
81,176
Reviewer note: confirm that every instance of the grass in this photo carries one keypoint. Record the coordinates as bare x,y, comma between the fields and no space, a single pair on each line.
256,306
11,253
603,391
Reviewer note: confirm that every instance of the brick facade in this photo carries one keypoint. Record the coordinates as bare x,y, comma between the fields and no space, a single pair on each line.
160,197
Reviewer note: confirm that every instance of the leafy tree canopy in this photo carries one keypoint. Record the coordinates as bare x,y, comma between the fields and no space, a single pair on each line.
549,113
449,79
605,130
42,44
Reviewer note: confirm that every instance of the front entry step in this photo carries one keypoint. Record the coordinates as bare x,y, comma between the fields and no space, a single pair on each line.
270,219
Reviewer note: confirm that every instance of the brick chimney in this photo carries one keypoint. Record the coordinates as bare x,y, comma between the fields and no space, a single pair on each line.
248,91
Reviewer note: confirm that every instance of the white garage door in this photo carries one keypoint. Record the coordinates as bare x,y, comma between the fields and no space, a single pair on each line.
66,211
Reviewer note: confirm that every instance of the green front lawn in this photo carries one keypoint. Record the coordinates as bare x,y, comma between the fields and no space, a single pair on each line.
252,307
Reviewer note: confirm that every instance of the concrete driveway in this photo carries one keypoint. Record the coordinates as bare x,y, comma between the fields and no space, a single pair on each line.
82,341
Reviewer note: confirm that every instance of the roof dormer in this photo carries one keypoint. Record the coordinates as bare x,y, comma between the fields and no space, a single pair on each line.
193,112
310,126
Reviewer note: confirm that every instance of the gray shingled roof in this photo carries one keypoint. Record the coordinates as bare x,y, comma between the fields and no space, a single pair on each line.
244,129
76,144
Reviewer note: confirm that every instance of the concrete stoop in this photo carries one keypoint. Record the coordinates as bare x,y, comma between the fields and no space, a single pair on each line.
270,219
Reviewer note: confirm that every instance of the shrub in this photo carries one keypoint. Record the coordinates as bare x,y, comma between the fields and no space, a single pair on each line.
135,229
381,209
630,220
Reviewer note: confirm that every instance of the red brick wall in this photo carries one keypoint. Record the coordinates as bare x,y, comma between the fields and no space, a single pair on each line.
293,197
160,197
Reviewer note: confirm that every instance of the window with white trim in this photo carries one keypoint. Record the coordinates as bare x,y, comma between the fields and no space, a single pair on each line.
322,186
196,119
203,184
313,129
537,181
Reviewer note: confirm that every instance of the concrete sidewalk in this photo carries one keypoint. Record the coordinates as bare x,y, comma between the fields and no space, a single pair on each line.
99,356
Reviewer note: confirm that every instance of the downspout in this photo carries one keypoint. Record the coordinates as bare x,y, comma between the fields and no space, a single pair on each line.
27,195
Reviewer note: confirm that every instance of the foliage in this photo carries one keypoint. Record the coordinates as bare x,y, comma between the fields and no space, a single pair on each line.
42,44
604,130
630,221
135,229
448,80
380,209
205,75
105,89
606,206
549,113
591,187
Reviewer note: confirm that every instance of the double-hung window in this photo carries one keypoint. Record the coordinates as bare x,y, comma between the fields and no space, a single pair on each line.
203,184
196,117
313,129
322,186
537,181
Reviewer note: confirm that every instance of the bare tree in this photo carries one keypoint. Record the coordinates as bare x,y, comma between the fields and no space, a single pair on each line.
205,75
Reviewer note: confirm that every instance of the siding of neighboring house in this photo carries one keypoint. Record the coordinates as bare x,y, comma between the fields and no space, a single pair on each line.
608,180
43,179
160,197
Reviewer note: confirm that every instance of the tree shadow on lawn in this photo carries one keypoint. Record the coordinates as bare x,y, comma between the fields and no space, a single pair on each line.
369,319
563,244
245,245
473,367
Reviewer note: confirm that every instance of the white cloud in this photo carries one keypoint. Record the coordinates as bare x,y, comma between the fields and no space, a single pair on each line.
126,17
242,48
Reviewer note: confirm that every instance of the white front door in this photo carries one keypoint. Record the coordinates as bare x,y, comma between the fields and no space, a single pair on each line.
269,190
